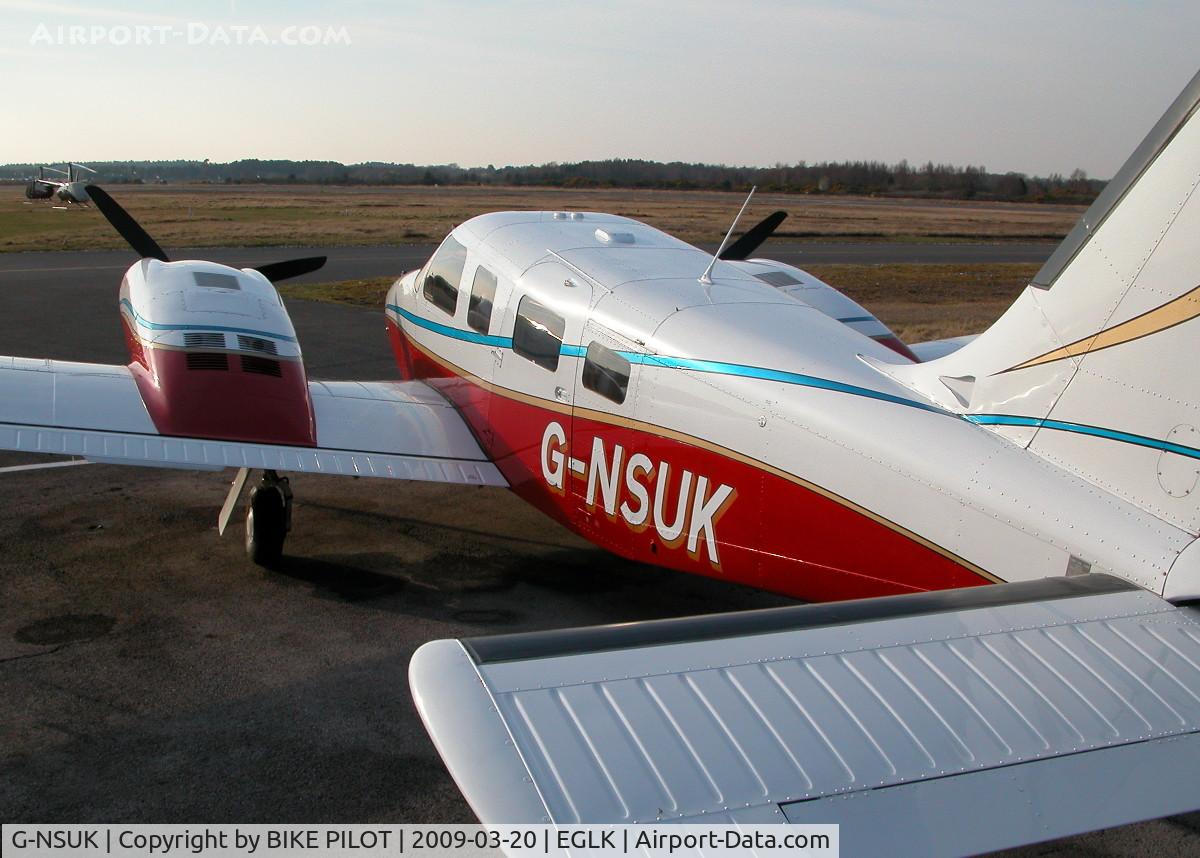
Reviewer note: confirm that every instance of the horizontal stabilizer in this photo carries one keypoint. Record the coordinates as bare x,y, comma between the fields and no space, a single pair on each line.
1060,705
934,349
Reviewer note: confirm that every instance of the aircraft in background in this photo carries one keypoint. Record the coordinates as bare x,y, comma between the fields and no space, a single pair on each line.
735,417
40,188
72,191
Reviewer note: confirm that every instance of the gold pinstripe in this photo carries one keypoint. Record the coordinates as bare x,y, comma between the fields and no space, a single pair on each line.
662,431
1174,312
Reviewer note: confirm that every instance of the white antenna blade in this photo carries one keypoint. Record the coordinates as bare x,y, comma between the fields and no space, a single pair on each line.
706,277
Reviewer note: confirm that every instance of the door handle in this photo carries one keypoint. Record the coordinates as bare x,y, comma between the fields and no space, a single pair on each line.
560,394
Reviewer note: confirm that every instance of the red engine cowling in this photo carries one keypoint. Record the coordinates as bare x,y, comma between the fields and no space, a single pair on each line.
215,354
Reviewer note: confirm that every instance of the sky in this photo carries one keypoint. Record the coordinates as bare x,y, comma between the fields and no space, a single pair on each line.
1032,87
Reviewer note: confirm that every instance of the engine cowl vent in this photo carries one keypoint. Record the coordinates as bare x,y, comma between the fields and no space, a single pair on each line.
207,361
778,279
261,366
215,280
204,341
256,344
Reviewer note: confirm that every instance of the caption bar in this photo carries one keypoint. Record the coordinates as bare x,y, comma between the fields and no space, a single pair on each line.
429,841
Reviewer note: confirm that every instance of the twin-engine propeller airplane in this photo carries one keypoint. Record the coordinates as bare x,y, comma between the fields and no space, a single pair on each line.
736,417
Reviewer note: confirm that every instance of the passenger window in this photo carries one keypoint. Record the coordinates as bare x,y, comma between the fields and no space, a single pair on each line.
606,372
483,293
443,275
538,333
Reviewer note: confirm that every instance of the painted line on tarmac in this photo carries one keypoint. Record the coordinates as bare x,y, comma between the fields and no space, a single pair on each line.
65,268
41,466
47,270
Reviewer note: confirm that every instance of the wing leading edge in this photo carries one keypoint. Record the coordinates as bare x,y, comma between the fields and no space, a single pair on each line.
940,723
397,430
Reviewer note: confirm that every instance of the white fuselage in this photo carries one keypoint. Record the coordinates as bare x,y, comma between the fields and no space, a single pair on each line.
842,480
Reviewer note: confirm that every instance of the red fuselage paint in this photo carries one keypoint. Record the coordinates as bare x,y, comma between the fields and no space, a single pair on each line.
223,404
772,530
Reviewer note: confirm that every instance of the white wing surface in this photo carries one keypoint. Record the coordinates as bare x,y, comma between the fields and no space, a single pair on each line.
939,723
398,430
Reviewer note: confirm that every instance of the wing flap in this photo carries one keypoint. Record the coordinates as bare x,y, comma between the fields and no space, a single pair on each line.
395,430
836,713
402,418
200,454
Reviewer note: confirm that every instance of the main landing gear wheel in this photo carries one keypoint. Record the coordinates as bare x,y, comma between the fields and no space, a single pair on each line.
268,519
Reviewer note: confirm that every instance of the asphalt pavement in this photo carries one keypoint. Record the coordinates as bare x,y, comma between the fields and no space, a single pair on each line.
346,263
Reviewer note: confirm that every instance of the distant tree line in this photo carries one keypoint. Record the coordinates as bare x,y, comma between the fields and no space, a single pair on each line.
943,181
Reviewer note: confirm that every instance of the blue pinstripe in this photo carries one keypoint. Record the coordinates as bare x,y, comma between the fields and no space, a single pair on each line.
810,381
157,326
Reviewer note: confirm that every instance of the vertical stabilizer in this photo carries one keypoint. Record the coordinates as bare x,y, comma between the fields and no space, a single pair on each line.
1095,366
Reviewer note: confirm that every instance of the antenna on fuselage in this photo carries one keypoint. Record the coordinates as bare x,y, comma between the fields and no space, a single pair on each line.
706,277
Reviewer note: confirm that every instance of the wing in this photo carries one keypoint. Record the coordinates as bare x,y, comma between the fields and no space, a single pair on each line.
400,430
1060,706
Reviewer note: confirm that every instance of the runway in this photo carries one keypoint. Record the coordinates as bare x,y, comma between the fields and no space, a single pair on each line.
338,342
150,674
346,263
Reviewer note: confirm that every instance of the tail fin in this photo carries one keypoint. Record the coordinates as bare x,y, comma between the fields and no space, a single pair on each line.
1096,367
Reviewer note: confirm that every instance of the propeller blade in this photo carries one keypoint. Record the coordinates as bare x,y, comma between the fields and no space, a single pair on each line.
276,271
756,235
130,230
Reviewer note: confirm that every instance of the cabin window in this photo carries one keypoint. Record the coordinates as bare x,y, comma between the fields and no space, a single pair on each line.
443,275
606,372
538,334
483,294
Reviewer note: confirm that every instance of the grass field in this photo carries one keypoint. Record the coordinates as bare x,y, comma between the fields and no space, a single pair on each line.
247,215
929,302
918,302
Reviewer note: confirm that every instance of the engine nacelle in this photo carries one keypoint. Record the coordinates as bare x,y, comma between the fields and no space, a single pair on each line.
215,354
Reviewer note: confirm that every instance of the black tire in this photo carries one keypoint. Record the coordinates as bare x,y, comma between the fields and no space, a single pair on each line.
266,526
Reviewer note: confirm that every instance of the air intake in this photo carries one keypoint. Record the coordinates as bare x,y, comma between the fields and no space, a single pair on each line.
207,361
261,366
255,344
778,279
215,280
204,341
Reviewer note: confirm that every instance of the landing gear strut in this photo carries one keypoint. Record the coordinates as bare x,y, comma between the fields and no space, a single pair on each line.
268,519
268,515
